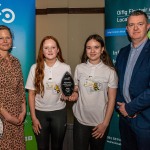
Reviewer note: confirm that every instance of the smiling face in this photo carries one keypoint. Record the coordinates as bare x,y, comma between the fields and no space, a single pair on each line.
5,41
94,51
50,50
137,28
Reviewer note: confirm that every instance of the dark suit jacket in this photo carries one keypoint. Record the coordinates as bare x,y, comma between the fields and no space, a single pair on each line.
139,88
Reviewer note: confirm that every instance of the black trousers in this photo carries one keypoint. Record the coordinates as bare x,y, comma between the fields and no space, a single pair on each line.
54,125
82,138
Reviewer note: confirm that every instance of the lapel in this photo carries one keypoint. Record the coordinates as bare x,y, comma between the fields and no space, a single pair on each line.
124,63
125,58
141,58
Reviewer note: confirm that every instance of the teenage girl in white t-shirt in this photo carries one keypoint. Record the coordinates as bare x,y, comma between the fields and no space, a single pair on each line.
96,82
48,111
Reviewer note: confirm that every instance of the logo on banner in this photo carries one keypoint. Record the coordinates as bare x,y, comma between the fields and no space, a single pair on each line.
8,16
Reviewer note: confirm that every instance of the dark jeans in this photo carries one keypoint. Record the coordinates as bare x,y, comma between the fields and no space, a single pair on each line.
82,138
54,125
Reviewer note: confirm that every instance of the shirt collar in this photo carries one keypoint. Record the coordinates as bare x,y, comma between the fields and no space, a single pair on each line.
94,65
139,46
55,65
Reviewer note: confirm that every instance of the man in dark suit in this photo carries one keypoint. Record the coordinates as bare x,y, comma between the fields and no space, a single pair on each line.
133,96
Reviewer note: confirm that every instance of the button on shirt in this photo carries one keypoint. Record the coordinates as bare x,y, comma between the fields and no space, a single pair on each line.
133,56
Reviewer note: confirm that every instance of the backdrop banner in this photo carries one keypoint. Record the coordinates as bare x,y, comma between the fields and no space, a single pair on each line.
116,13
20,17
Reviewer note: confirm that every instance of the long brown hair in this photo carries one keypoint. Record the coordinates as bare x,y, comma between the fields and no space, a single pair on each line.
39,71
104,56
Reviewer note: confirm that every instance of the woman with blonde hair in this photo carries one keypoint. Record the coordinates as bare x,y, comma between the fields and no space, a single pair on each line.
12,95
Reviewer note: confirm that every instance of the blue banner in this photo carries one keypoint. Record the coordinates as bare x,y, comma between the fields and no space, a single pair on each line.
19,16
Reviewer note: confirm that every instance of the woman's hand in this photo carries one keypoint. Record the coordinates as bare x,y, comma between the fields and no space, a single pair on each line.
63,97
21,118
8,117
36,126
99,131
74,96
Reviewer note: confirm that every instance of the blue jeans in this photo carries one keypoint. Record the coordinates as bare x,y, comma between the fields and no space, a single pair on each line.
82,138
53,125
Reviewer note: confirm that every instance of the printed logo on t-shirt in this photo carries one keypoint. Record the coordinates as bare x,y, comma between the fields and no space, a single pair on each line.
92,85
52,87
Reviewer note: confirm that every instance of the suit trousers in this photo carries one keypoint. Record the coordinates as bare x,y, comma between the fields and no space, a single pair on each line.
133,137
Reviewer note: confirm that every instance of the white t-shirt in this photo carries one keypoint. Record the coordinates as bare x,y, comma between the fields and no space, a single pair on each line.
93,82
52,88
